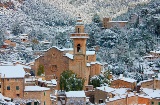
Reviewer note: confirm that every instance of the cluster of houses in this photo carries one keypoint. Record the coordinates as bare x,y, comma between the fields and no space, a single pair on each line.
19,86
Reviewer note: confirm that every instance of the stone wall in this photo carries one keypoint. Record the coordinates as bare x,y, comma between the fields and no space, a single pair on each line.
12,82
42,96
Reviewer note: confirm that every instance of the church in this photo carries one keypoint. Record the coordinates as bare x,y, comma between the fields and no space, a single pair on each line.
77,59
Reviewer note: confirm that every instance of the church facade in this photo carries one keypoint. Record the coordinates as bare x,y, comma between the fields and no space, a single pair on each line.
77,59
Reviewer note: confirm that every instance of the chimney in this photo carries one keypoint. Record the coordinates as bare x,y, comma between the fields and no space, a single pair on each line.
154,82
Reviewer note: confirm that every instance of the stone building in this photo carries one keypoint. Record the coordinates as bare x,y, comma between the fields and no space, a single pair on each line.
108,23
75,98
151,84
123,96
38,95
123,82
12,83
77,59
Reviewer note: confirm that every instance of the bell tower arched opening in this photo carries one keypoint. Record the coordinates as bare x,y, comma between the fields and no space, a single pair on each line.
78,48
78,30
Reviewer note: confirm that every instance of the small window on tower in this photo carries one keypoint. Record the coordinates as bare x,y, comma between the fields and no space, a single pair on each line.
78,30
78,48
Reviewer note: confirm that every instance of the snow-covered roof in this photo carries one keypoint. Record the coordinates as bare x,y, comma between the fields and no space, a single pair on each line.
144,81
12,72
105,88
35,88
64,49
4,63
54,81
75,94
3,98
155,52
69,55
120,91
117,97
128,79
80,37
151,93
92,63
29,48
79,23
24,66
41,80
45,42
90,52
31,79
149,56
117,21
88,64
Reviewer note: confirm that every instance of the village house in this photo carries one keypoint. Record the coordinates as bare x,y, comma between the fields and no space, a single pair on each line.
77,59
150,84
10,43
152,56
104,92
52,84
123,96
38,95
123,82
23,38
12,81
20,86
108,23
75,97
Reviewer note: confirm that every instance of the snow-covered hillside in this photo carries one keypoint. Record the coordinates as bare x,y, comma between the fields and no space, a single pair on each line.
87,8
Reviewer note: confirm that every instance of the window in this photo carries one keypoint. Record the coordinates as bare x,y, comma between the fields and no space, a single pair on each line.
100,101
29,103
17,95
78,30
44,93
35,103
87,57
8,87
152,103
54,68
7,79
0,86
44,103
17,87
78,48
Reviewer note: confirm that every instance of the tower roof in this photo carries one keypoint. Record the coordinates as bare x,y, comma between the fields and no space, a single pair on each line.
79,30
79,20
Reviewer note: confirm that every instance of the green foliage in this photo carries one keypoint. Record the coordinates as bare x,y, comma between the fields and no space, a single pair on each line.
16,29
40,70
95,82
70,82
96,18
101,79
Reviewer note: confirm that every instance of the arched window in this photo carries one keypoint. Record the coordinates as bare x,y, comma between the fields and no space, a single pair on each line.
78,48
78,30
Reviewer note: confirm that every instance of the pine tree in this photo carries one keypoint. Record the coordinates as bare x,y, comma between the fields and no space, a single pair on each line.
70,82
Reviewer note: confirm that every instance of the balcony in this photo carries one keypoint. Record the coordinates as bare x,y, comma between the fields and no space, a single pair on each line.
79,35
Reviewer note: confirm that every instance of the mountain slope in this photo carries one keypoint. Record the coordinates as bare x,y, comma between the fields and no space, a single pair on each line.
87,8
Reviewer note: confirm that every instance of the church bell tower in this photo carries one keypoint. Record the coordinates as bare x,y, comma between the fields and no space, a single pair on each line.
79,38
